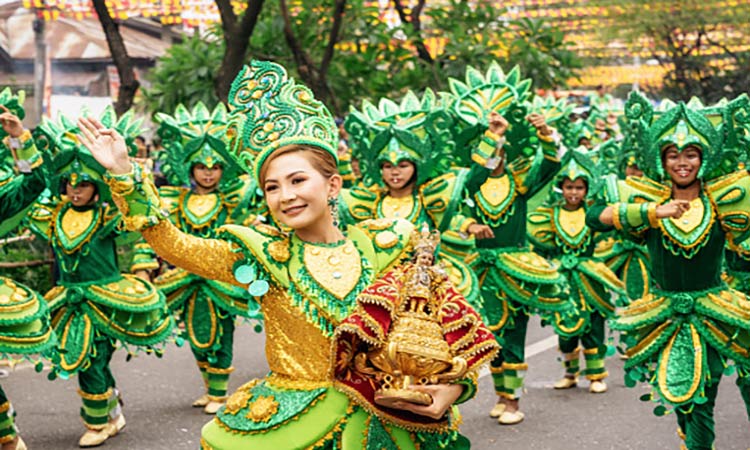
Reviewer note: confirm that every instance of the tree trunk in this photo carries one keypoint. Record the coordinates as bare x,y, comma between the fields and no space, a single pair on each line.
128,83
237,34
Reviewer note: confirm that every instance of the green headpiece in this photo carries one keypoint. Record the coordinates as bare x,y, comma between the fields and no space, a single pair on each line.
717,130
415,130
192,137
269,110
577,164
482,94
14,103
72,161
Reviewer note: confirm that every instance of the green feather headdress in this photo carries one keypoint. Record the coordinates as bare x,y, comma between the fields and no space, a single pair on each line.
478,96
719,131
415,130
72,161
192,137
270,110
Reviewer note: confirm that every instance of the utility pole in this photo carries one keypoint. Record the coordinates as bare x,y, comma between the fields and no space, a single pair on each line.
40,57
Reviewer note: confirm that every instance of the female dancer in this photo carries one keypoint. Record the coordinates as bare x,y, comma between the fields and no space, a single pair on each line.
682,334
305,280
24,317
93,305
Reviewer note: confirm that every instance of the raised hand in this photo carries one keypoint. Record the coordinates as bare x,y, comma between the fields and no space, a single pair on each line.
106,145
10,122
497,123
539,123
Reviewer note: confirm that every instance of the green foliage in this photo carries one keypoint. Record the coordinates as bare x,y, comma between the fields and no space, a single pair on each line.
699,42
372,59
185,75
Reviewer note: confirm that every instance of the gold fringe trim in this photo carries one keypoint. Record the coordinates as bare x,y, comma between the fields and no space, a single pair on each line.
217,371
5,407
597,376
515,366
95,397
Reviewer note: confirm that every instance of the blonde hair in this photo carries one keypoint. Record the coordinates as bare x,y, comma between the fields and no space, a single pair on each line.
321,160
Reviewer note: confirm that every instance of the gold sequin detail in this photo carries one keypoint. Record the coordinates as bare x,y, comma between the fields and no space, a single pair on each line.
75,223
336,268
386,239
496,190
573,222
692,218
201,205
237,401
397,208
262,409
279,251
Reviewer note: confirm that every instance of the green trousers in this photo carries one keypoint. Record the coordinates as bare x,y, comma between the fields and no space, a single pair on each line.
213,352
509,366
7,415
594,350
97,386
697,421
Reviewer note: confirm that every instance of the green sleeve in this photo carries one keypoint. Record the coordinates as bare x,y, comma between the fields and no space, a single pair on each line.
470,388
20,192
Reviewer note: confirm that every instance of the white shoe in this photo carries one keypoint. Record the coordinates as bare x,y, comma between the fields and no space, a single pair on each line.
598,387
497,410
201,401
95,438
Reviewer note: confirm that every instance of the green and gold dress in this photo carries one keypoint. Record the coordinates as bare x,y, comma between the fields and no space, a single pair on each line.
24,316
93,305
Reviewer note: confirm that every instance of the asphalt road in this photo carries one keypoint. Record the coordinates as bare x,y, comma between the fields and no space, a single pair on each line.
158,394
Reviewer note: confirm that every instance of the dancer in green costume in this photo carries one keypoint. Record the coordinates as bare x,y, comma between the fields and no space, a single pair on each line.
559,231
515,281
24,317
305,280
93,305
195,145
405,152
681,336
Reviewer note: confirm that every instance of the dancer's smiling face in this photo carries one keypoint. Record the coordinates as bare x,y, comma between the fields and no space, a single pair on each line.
682,166
297,186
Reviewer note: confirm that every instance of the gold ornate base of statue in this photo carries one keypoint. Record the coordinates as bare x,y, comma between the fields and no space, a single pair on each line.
415,351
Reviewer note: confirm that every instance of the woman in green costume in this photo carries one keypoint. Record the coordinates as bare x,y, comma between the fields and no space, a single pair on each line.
515,281
559,232
405,152
93,306
681,336
24,317
195,146
305,280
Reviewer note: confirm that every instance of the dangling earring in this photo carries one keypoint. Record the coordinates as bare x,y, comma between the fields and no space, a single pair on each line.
333,206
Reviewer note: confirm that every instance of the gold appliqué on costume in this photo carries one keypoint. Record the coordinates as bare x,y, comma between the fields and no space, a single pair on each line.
76,223
573,222
262,409
386,239
200,205
397,208
237,401
279,251
495,190
692,218
337,269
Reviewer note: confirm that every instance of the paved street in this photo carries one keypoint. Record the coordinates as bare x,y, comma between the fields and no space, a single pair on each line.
158,393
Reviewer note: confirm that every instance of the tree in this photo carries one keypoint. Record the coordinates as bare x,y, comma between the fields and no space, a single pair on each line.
698,42
187,74
236,32
128,83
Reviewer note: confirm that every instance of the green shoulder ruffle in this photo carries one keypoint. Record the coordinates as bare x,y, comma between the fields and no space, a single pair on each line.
24,320
127,309
265,417
672,330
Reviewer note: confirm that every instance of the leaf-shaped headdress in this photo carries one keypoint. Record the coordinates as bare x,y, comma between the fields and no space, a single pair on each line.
269,110
415,130
192,137
72,161
482,94
718,131
577,164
